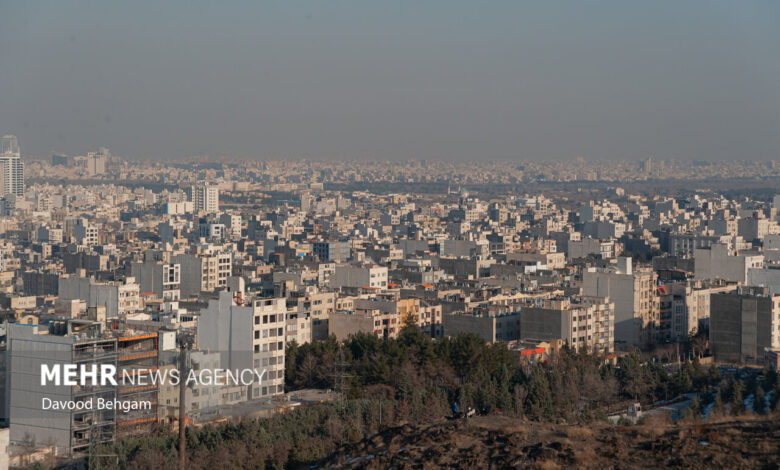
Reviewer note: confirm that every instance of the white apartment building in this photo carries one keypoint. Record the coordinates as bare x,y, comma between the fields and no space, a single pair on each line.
205,198
247,337
161,279
637,308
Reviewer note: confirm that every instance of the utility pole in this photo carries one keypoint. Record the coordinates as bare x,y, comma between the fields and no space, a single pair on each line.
94,459
340,376
182,407
184,360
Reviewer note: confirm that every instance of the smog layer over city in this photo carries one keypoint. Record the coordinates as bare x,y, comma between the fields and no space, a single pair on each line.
348,235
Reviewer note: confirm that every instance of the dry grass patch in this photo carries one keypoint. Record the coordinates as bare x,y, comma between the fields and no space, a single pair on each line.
547,465
578,432
586,457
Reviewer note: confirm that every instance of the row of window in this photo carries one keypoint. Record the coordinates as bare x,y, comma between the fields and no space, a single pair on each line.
269,390
269,318
272,333
272,347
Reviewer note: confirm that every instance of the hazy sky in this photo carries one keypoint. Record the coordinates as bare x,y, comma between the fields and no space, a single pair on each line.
393,79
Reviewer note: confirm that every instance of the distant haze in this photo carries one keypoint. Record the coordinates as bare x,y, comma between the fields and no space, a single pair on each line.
393,79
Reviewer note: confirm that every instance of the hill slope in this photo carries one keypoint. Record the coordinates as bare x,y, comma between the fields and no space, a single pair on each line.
498,442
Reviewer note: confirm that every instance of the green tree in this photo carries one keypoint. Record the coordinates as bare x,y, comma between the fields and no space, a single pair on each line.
759,400
737,401
717,406
695,408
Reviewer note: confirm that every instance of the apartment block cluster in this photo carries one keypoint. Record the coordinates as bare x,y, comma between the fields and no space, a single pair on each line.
242,266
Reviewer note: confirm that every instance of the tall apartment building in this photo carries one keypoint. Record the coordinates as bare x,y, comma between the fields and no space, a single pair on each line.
308,314
233,222
97,162
744,324
161,279
85,233
637,307
247,337
685,308
203,272
587,323
11,167
66,342
205,198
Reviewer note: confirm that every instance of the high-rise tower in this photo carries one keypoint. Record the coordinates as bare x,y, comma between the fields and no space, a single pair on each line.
205,198
11,167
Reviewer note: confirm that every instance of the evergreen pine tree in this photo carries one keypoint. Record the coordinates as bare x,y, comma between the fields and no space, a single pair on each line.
759,400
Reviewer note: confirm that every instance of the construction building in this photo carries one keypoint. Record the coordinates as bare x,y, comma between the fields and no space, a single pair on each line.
65,342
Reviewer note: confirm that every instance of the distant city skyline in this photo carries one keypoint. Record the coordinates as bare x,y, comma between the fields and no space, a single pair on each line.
431,80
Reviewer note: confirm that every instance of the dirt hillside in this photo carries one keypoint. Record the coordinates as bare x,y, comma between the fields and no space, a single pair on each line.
498,442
